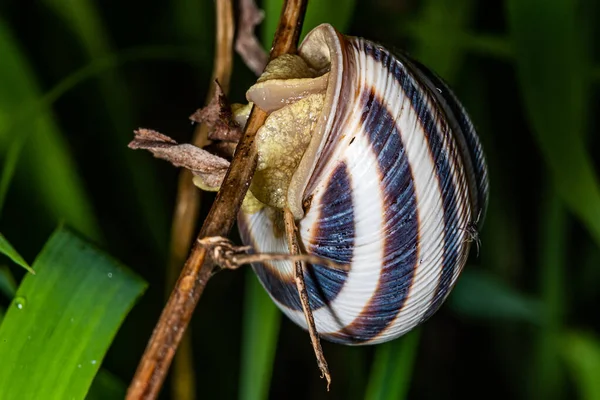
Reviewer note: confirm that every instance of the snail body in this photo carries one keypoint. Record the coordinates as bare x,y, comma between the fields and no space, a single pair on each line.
383,171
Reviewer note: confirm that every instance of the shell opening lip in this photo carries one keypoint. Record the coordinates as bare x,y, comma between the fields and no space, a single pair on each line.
322,49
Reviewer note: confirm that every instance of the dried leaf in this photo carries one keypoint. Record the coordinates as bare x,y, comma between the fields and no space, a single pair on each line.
218,116
209,168
247,44
143,137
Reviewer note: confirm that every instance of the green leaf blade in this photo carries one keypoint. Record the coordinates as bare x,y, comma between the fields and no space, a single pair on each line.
8,250
392,368
82,18
581,352
481,295
8,285
437,34
259,341
46,163
61,322
106,386
553,69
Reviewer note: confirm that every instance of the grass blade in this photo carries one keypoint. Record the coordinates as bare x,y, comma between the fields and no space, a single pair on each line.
83,19
106,386
259,340
392,368
335,12
10,165
49,168
481,295
581,352
36,108
62,320
547,377
552,67
8,285
437,35
9,251
194,22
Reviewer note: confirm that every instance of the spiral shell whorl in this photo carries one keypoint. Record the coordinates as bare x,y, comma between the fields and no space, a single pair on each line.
398,178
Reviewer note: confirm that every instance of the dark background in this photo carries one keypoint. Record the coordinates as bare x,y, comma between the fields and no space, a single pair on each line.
148,65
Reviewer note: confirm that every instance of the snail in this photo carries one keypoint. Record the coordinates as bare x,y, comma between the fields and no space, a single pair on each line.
379,167
383,170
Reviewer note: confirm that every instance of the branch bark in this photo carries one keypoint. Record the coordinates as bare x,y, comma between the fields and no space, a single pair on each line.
155,362
187,202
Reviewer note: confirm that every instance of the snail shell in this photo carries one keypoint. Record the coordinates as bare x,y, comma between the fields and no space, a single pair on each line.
393,182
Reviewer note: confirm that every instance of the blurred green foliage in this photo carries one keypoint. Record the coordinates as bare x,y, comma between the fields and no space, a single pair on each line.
76,77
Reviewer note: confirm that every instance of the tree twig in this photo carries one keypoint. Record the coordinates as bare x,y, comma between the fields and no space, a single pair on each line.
187,202
176,315
293,246
229,256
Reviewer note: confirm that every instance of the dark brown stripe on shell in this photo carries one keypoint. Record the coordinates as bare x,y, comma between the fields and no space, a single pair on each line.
454,246
474,158
401,225
334,239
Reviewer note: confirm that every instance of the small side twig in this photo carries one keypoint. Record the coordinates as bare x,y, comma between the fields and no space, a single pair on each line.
229,256
176,315
294,248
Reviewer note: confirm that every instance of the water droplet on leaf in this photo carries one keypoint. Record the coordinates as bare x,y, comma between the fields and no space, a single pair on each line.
20,302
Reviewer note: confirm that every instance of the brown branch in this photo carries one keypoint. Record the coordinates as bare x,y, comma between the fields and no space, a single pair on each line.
176,315
294,248
187,202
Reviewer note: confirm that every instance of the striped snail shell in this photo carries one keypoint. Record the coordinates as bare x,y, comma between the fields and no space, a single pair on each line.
384,172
